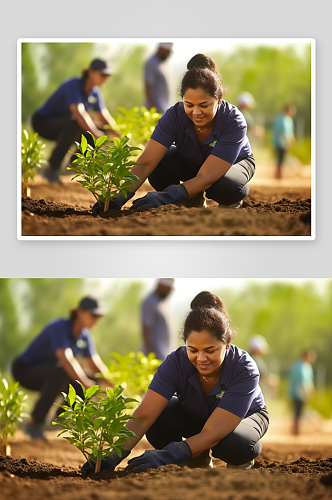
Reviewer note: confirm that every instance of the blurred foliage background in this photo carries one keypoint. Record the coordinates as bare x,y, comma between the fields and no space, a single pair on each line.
292,316
275,75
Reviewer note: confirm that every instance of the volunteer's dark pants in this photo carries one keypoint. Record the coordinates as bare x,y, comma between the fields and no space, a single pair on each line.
298,408
63,129
239,447
49,378
230,188
280,152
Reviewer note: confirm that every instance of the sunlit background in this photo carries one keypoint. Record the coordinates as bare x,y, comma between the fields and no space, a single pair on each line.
275,71
292,314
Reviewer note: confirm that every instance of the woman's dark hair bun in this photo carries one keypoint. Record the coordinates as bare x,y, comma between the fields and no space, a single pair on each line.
201,61
207,300
208,312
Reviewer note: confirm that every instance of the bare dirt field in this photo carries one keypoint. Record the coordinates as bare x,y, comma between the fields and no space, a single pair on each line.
273,208
290,467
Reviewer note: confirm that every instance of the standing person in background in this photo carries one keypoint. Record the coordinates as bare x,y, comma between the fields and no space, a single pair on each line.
258,347
157,79
64,117
283,135
49,363
156,320
245,103
301,377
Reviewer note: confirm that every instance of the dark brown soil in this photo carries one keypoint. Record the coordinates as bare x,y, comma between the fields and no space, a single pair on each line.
290,467
273,208
37,470
24,479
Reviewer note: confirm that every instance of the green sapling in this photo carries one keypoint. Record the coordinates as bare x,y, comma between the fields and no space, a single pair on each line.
96,424
105,172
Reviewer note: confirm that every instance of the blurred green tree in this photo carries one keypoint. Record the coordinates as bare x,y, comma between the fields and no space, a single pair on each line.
10,336
45,66
291,318
120,329
27,305
274,76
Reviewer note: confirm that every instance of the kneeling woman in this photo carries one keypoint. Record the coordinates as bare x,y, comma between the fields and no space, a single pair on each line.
201,141
205,396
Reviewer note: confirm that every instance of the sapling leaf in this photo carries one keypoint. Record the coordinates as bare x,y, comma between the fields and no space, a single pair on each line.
84,144
71,395
109,392
91,391
93,137
100,141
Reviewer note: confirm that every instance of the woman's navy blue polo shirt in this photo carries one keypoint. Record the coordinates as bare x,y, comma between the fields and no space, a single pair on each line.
58,335
72,92
228,139
237,390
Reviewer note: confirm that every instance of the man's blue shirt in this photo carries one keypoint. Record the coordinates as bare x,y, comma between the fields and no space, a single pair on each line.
237,390
156,316
228,139
58,335
72,92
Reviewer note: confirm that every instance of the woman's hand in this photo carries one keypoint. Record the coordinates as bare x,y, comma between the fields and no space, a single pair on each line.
107,465
84,119
173,453
173,194
115,204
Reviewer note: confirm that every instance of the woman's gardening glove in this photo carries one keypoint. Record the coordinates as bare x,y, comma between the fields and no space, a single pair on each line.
115,204
173,194
107,465
173,453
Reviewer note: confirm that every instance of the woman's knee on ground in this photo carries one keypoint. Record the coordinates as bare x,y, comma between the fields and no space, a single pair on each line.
227,191
236,449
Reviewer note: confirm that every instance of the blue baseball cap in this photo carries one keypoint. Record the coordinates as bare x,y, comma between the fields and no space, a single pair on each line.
92,305
102,66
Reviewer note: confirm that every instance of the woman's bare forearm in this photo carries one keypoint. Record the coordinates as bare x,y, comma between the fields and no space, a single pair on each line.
212,169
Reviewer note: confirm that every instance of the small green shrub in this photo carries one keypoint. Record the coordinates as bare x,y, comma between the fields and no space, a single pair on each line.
134,371
96,424
31,156
137,123
11,409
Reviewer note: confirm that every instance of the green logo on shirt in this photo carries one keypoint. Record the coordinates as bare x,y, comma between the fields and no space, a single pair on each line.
212,144
220,395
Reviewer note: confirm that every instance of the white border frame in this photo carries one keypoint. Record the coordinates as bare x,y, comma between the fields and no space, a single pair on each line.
312,41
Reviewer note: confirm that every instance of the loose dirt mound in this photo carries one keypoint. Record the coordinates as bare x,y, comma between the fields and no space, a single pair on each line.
273,208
